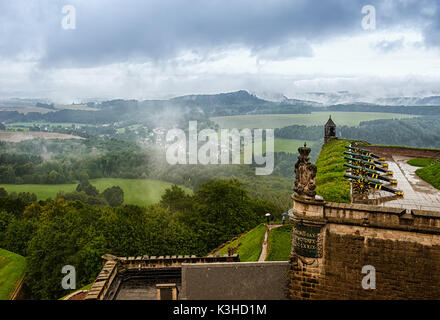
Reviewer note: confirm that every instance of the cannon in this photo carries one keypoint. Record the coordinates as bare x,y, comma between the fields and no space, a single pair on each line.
365,152
369,158
368,165
370,173
364,183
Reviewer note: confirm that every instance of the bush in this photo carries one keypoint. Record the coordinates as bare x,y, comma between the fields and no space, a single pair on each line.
114,196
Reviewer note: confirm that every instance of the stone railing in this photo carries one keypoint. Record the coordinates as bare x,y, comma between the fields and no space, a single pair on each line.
383,217
367,215
170,261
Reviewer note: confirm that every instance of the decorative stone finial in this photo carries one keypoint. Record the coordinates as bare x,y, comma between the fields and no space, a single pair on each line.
305,174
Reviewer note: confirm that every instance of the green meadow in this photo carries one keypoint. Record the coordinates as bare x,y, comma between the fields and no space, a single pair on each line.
267,121
136,191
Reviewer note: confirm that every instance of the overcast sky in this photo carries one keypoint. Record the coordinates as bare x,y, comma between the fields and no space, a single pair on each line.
158,49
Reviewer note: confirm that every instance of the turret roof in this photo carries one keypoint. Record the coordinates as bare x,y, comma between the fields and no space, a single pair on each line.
330,123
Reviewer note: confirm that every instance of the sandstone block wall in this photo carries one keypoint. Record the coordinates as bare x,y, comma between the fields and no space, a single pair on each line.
403,247
232,281
407,265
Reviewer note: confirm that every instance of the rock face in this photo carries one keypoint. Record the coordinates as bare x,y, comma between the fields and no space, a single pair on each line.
305,174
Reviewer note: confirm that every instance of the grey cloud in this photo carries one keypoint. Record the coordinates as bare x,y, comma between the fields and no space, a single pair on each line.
113,31
292,49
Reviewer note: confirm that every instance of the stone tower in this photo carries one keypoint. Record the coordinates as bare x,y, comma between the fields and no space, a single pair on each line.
329,131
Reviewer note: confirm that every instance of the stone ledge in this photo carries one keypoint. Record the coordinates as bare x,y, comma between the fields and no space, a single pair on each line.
425,213
237,264
365,207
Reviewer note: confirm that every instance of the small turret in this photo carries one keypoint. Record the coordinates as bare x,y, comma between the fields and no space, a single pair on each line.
329,131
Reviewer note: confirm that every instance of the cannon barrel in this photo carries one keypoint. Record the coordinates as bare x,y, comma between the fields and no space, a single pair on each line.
372,173
369,165
375,184
371,159
365,151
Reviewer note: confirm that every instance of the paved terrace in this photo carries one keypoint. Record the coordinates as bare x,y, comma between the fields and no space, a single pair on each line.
418,194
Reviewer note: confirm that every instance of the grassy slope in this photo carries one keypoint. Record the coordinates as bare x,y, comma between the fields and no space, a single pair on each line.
12,269
264,121
279,244
136,191
330,181
431,174
429,171
421,162
250,248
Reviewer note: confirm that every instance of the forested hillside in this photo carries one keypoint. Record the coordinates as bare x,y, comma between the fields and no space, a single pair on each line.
61,232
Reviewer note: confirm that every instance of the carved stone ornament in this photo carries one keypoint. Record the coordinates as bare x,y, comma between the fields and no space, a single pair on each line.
305,174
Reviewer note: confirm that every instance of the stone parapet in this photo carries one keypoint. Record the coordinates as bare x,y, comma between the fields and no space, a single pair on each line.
367,215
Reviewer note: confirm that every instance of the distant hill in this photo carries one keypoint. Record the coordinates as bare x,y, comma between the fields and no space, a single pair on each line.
370,107
158,111
203,106
240,102
411,101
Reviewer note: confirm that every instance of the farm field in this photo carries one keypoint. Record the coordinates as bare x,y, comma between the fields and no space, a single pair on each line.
26,110
267,121
288,145
14,136
21,125
12,268
74,107
136,191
